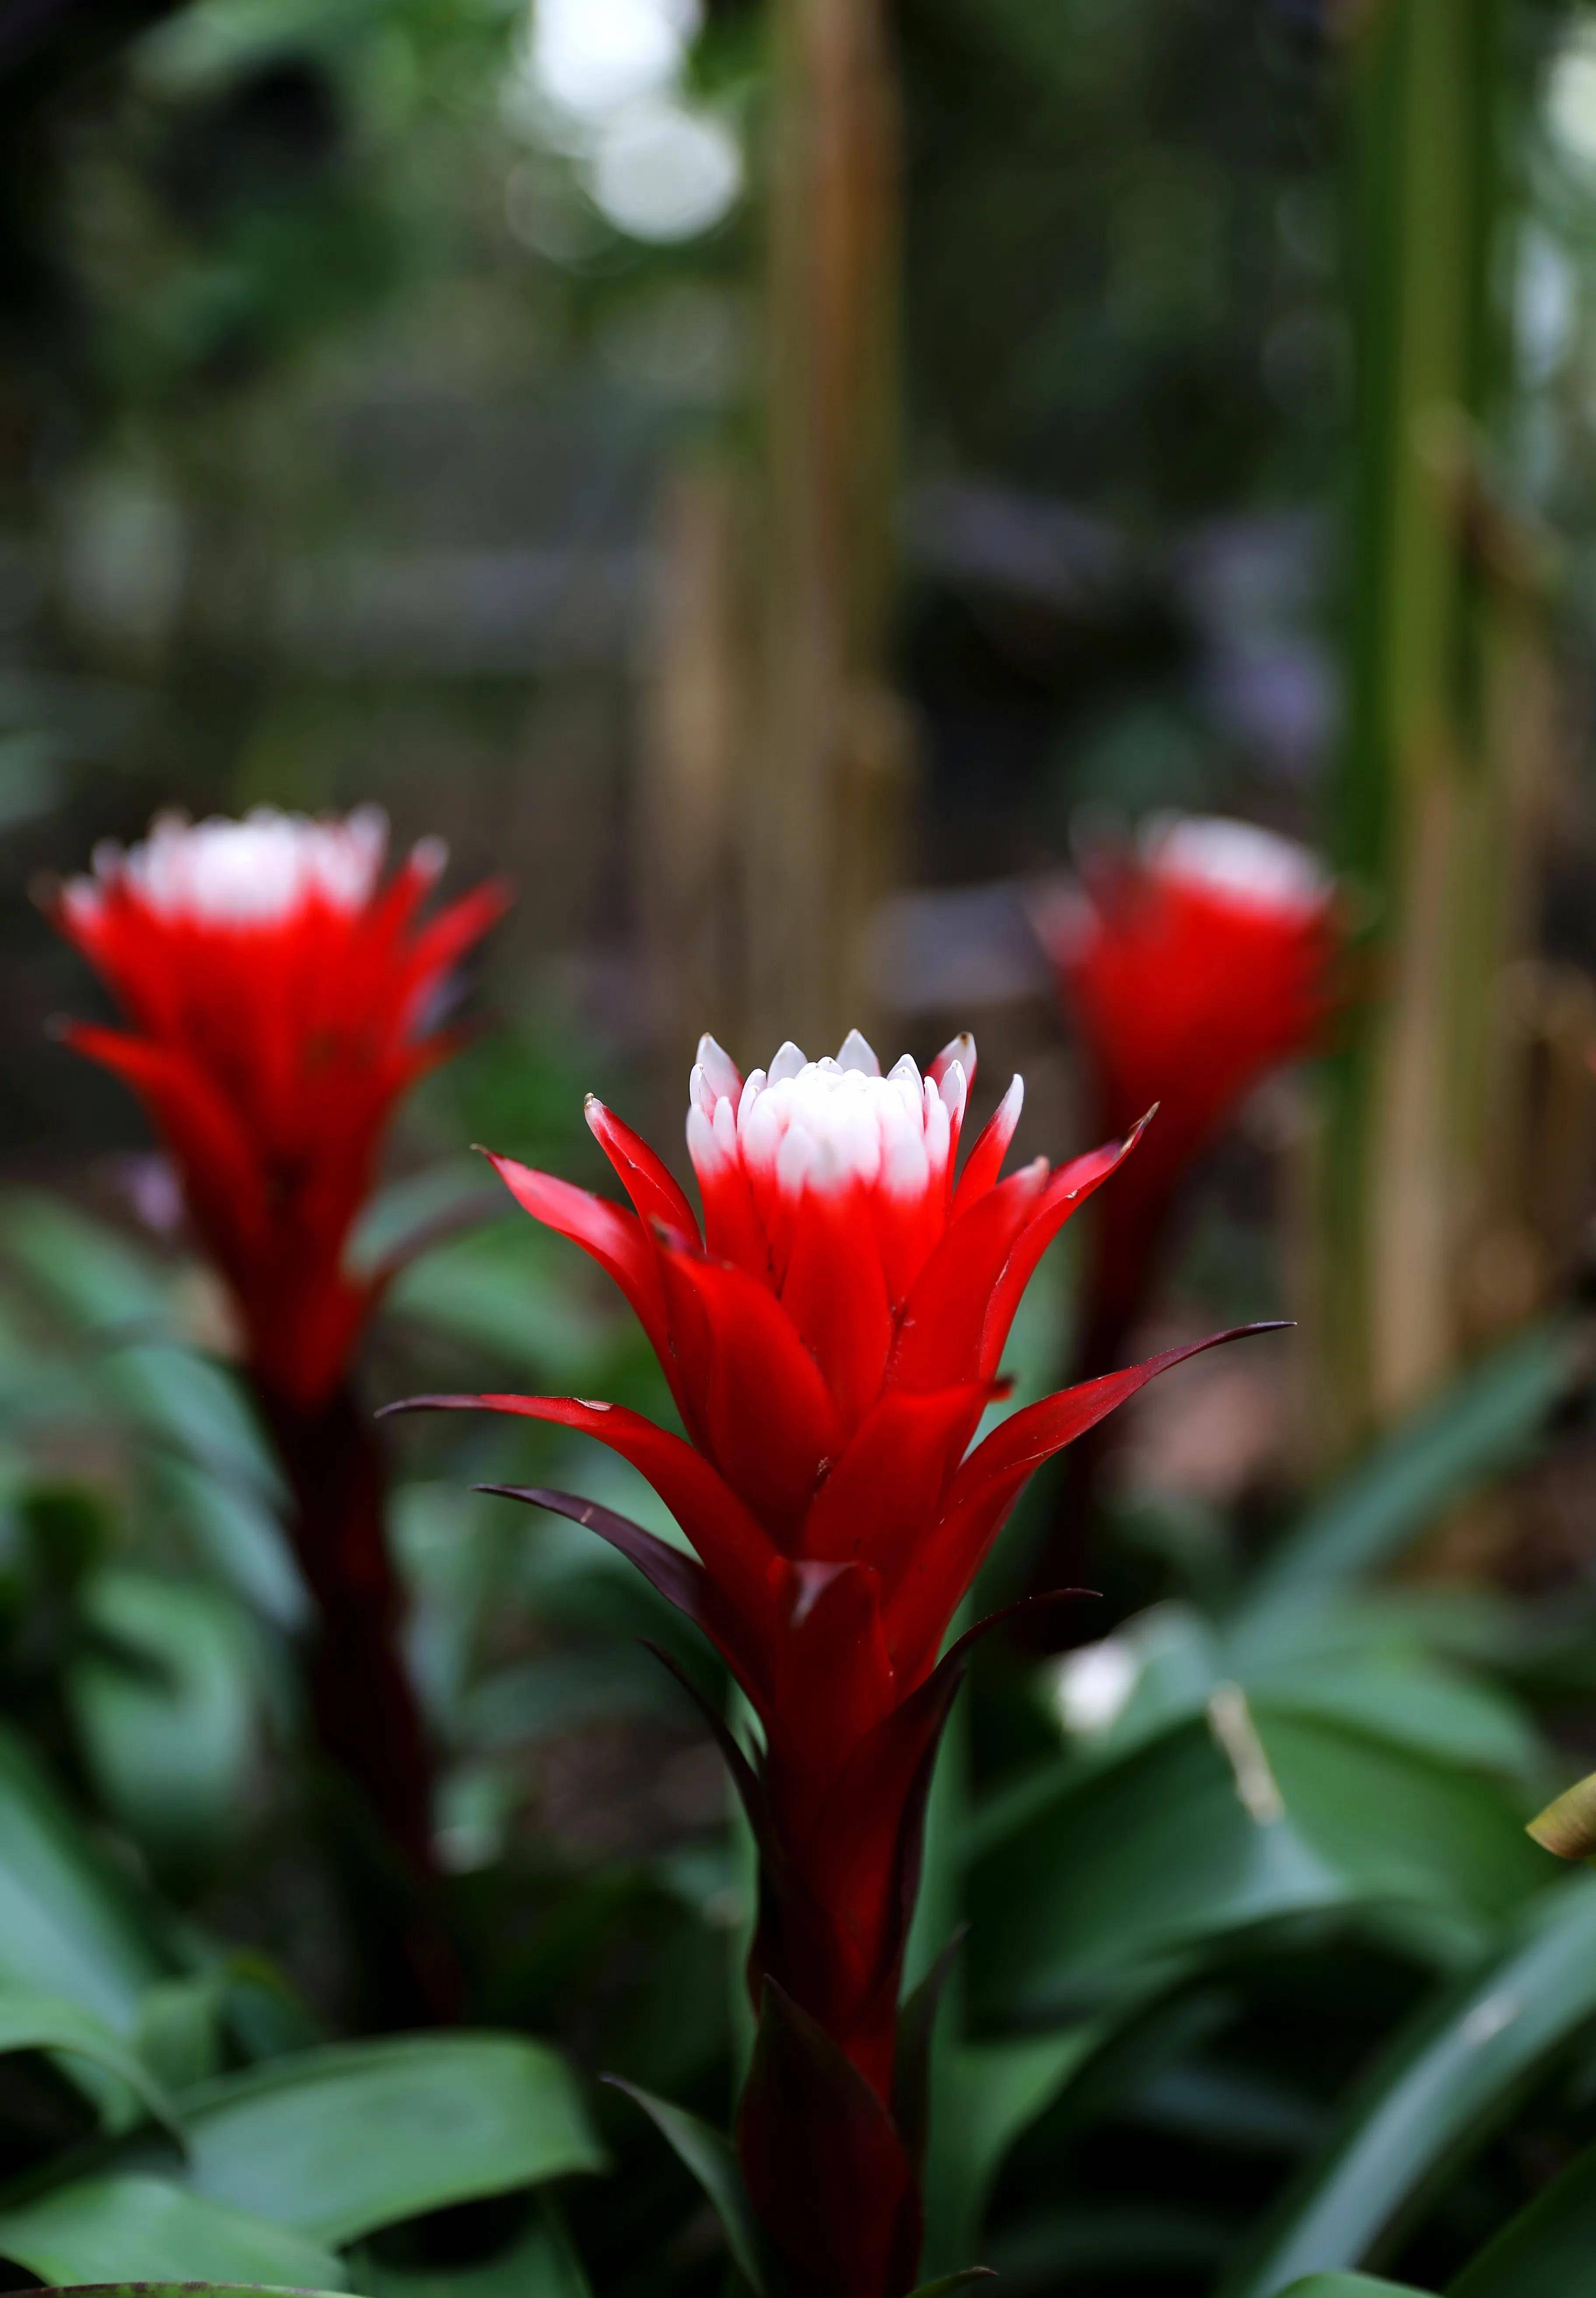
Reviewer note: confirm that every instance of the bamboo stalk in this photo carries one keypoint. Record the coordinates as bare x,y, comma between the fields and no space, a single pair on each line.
1429,821
828,778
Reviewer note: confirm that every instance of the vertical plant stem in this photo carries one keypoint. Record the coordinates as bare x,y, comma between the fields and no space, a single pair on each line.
697,736
368,1724
1419,802
828,776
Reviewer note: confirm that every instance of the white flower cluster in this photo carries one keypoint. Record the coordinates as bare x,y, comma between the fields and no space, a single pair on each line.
824,1125
256,872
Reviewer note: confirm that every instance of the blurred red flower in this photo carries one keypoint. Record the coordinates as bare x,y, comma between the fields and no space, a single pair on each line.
282,1000
1192,965
831,1341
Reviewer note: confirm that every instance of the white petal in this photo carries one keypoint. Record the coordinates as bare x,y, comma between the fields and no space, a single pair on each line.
794,1159
938,1134
761,1133
753,1086
1236,860
429,857
856,1053
701,1145
701,1093
787,1062
953,1088
960,1049
724,1127
906,1172
1012,1103
719,1068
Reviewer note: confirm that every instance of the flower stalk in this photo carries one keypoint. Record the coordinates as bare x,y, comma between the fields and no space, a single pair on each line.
832,1337
1192,965
281,999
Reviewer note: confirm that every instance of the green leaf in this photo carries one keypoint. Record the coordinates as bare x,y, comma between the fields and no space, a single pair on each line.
418,1214
501,1292
1546,2251
709,2155
1103,2244
954,2282
69,1923
1244,1817
1398,1824
1445,2085
1484,1423
171,1744
339,2142
49,2022
87,1271
541,2262
1349,2286
988,2093
182,2290
1134,1862
140,2227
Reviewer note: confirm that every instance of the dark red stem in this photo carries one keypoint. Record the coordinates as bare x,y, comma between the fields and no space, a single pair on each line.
367,1721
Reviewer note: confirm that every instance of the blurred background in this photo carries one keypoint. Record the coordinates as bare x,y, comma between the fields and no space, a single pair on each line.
769,477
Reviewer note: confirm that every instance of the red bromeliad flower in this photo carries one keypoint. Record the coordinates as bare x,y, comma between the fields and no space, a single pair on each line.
280,997
1192,966
832,1339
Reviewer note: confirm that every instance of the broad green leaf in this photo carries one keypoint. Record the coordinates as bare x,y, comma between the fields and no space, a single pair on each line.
1398,1824
541,2262
1406,1698
339,2142
1208,1829
502,1292
563,1692
1349,2286
196,1408
1106,2243
1482,1425
233,1527
183,2290
419,1213
1135,1862
171,1744
1547,2251
49,2022
143,2228
88,1271
69,1923
1443,2086
1360,1664
96,1278
708,2154
987,2094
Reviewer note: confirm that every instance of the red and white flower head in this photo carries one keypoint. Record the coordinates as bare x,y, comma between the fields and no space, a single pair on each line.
282,997
1192,965
831,1338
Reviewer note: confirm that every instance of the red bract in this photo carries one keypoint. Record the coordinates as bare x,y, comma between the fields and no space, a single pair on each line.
281,1001
832,1339
1192,966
